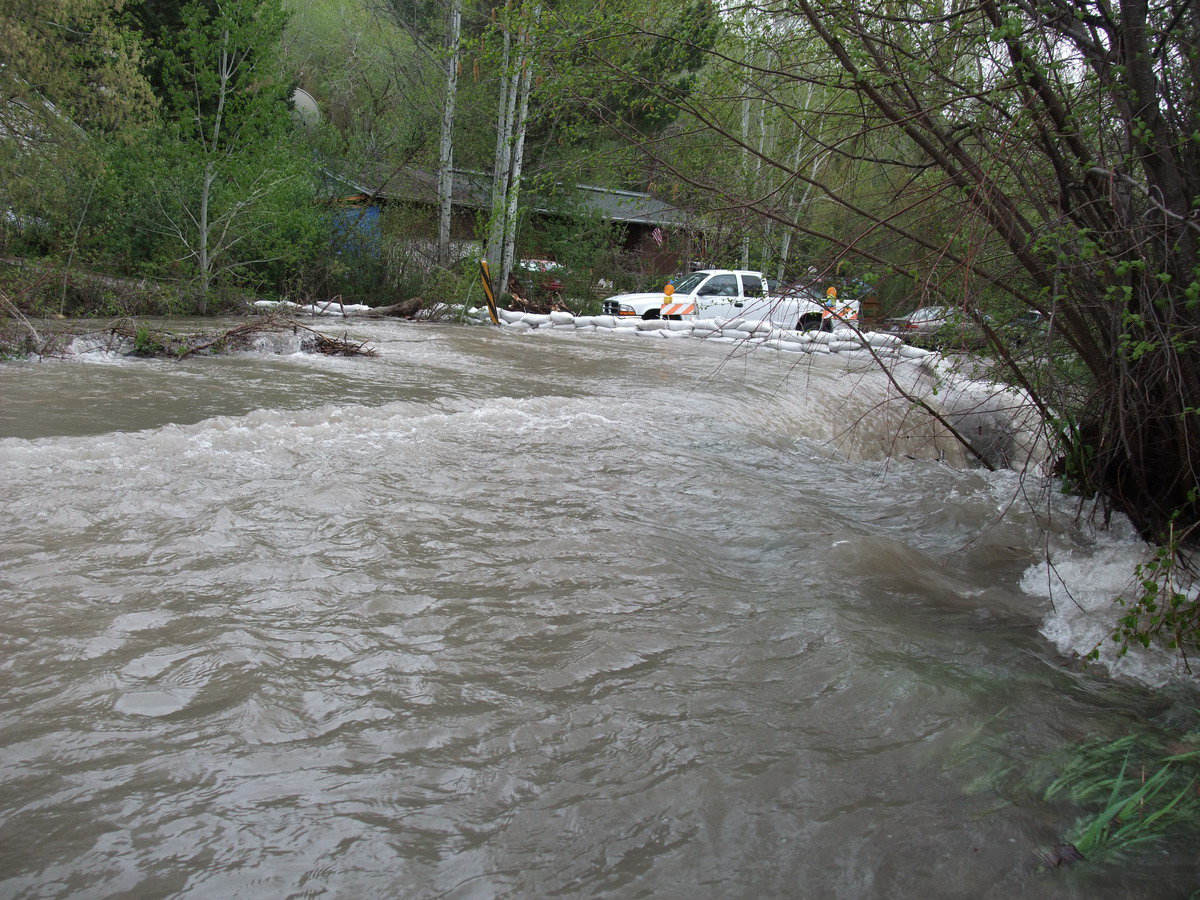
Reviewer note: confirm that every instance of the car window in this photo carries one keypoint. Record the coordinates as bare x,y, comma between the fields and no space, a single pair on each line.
772,286
720,286
751,285
929,313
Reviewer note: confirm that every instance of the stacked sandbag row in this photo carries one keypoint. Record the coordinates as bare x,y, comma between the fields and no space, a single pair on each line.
320,308
845,341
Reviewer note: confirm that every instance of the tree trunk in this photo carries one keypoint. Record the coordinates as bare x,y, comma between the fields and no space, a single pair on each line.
404,309
446,149
514,181
500,170
746,171
203,263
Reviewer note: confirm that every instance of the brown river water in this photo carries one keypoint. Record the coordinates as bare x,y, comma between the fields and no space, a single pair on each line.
526,615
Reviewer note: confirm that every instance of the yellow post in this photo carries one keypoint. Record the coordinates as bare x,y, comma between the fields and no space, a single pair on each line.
486,274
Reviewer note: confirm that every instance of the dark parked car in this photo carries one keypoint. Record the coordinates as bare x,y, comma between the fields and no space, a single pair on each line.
1025,327
937,326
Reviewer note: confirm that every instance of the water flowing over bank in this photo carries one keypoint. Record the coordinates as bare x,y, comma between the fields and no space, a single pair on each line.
524,613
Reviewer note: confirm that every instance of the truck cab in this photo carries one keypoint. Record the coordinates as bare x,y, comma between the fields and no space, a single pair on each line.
730,294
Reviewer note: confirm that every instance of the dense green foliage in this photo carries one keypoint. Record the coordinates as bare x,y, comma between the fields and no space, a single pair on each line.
180,163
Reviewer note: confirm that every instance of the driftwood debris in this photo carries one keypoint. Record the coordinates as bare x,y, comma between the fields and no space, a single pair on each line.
405,309
157,342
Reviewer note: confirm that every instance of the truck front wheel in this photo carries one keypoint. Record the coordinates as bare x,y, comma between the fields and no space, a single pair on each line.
810,322
651,314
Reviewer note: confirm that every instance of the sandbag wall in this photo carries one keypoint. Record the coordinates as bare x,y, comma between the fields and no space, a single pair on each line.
869,344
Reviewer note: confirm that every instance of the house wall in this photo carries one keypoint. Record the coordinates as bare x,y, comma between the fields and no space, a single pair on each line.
410,228
655,259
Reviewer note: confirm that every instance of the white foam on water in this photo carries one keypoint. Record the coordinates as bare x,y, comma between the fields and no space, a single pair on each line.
1083,586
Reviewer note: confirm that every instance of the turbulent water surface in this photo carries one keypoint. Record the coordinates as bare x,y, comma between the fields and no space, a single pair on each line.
502,614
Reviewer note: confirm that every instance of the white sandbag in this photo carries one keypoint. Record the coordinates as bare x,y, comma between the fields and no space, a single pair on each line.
839,346
762,327
846,334
564,326
672,333
562,318
583,321
585,327
858,354
511,315
819,337
520,325
736,333
679,325
880,339
537,319
607,328
816,347
648,324
705,324
910,352
604,321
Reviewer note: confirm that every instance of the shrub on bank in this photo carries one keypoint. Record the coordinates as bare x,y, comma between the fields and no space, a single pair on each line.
42,291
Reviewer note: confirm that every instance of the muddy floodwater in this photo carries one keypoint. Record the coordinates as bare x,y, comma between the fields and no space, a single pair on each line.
519,615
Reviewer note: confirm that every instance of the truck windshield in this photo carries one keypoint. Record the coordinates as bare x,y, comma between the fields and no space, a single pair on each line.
690,283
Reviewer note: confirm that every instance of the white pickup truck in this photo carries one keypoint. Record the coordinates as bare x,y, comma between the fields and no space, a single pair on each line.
730,294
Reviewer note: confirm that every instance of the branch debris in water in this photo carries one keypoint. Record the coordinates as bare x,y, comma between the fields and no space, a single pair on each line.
155,342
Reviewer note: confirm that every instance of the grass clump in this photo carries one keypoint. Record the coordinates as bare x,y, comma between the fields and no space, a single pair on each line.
1132,791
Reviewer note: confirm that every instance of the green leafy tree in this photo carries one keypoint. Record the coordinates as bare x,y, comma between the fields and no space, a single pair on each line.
70,76
233,193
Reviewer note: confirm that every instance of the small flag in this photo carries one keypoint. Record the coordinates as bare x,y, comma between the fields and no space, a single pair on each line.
658,236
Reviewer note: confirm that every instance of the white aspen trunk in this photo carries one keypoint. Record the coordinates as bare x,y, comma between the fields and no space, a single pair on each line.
796,207
763,178
791,208
785,247
514,181
203,261
212,148
746,169
446,150
502,166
